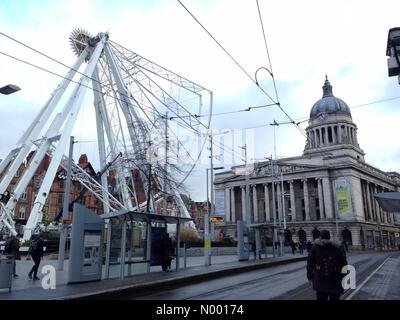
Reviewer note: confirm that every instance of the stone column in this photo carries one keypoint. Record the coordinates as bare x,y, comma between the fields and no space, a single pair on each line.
279,200
326,136
370,215
377,206
321,199
339,133
326,185
227,206
233,208
334,138
255,204
292,201
267,204
244,218
306,200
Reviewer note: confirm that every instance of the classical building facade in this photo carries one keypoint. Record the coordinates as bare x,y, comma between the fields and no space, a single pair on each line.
329,187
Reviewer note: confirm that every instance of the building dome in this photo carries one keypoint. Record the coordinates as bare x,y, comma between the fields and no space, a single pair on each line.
329,104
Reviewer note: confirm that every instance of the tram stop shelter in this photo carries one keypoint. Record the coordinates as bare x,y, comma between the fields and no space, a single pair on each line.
133,241
263,230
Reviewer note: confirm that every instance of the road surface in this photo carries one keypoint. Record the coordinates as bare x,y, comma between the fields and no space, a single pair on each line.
377,272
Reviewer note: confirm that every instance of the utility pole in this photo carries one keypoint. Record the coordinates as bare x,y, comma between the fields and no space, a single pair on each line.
247,174
67,190
207,227
275,235
212,212
165,203
149,182
283,212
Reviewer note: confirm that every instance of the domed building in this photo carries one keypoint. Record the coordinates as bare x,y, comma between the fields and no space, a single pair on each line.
329,187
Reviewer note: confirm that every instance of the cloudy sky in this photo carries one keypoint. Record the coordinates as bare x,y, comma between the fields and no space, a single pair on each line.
307,39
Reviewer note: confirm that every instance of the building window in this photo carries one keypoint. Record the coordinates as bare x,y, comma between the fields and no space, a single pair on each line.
330,139
21,214
61,184
24,195
60,198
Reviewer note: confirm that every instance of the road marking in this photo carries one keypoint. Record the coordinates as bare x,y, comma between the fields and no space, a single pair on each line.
366,280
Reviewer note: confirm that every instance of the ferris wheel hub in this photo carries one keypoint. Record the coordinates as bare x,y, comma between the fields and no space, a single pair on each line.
79,39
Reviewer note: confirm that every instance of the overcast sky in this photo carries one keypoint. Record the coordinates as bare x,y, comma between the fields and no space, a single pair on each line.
307,39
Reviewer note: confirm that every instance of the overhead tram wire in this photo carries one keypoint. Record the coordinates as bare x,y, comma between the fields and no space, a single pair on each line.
107,94
266,48
241,68
59,62
154,112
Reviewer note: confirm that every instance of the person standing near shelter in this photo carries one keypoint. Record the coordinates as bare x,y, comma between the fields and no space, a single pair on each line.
12,250
324,267
166,252
36,252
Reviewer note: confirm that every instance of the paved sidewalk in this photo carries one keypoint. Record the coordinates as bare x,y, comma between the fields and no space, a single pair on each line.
24,288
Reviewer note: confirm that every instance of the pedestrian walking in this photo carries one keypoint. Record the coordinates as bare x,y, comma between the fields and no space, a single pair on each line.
324,266
11,249
253,249
300,246
36,252
293,245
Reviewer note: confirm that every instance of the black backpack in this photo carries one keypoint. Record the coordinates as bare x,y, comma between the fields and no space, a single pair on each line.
327,266
33,247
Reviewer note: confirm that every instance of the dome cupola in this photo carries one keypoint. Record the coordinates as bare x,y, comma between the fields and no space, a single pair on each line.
329,104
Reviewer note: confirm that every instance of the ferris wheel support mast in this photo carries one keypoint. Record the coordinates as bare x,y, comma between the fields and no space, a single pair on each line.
137,133
102,119
25,143
74,105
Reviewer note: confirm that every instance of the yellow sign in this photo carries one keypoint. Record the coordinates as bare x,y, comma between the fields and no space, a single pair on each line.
342,196
206,244
216,219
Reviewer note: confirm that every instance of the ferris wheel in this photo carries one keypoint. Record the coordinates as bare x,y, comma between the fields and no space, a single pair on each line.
145,115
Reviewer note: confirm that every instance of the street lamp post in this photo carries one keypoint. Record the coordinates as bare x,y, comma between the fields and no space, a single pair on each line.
64,227
208,227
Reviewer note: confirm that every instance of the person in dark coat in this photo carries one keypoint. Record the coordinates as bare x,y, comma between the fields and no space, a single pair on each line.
324,266
166,252
14,251
293,245
36,252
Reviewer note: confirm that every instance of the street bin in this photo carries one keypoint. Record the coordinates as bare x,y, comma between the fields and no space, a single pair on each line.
6,273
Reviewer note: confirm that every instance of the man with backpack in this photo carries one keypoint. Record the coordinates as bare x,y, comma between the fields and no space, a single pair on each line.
324,266
36,252
11,249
